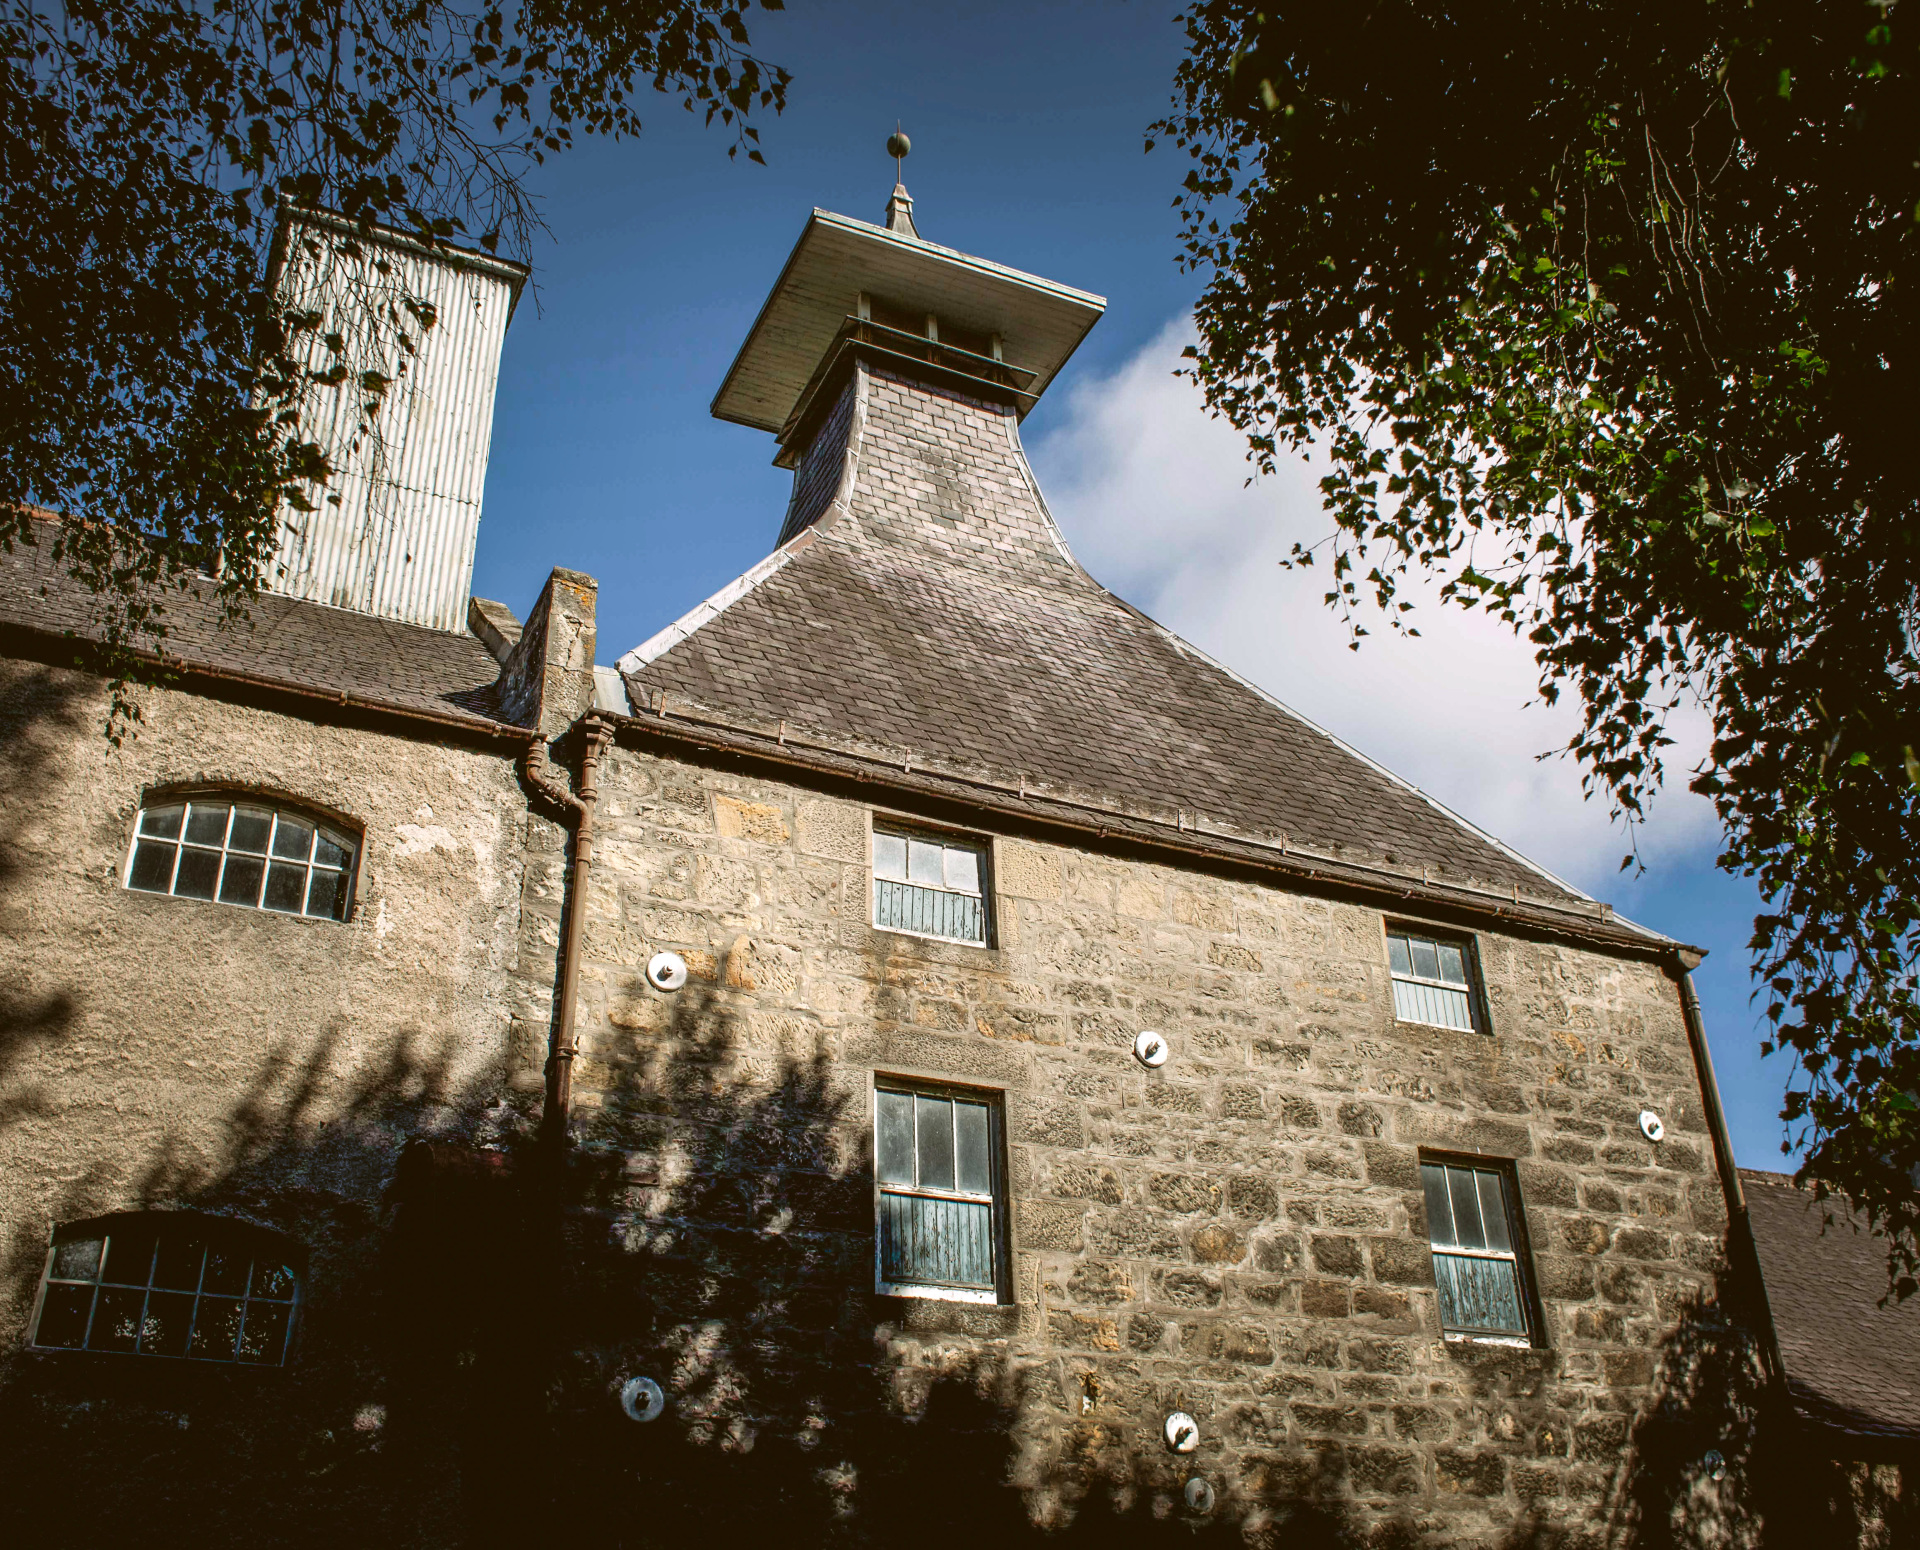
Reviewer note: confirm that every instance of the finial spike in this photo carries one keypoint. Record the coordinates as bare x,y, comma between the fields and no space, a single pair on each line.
900,206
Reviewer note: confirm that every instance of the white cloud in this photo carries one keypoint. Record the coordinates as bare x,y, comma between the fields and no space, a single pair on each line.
1153,497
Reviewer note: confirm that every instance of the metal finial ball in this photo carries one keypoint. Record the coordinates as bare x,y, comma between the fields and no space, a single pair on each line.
898,145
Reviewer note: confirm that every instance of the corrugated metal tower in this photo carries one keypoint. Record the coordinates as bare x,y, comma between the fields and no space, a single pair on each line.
393,534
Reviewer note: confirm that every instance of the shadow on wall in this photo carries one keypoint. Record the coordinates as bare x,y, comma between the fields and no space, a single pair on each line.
474,1310
41,709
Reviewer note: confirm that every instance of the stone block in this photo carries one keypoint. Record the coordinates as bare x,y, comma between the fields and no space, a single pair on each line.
1383,1471
1460,1472
836,831
1026,871
1337,1256
1048,1224
1218,1244
1401,1261
760,822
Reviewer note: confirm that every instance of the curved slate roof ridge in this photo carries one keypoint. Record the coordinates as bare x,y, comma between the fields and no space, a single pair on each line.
927,608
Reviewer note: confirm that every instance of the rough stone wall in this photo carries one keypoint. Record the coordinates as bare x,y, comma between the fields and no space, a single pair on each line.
1239,1234
173,1052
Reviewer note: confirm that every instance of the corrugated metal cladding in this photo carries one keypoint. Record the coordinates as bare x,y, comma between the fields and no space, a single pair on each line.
394,531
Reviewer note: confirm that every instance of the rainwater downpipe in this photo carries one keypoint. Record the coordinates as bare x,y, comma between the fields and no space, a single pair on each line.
1743,1254
596,734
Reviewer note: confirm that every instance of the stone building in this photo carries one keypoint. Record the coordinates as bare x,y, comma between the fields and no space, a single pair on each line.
912,1047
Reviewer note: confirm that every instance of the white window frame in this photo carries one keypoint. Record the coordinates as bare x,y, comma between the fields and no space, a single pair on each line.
1517,1254
1467,946
234,801
995,1197
976,846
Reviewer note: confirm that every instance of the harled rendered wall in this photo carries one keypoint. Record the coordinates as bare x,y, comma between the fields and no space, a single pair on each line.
1239,1234
172,1053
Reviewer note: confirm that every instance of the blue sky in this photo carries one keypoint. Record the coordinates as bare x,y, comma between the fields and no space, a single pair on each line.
1028,124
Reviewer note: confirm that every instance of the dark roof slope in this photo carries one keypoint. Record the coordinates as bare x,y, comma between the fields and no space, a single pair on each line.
301,645
1850,1363
936,615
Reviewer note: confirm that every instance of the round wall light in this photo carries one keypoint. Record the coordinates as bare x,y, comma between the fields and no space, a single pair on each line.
1199,1494
666,971
1151,1049
1182,1432
1651,1125
642,1400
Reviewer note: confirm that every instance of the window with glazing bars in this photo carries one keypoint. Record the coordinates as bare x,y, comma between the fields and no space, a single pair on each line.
938,1205
1432,979
244,853
929,886
1473,1223
149,1286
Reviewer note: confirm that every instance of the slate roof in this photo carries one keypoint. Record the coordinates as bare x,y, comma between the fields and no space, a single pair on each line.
935,615
300,645
1851,1364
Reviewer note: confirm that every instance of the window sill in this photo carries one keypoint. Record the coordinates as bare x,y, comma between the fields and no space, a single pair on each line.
1409,1023
1505,1342
927,936
976,1299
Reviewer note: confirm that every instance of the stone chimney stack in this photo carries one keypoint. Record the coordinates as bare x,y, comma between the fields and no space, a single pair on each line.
393,533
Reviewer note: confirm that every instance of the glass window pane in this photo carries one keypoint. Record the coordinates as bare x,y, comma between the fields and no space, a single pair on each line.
63,1316
1426,961
889,856
116,1322
1453,966
199,871
286,887
163,1332
216,1328
251,826
1466,1209
924,864
973,1160
963,870
178,1264
263,1338
331,850
293,839
226,1272
163,822
207,823
1398,956
270,1280
78,1259
241,882
1439,1208
934,1124
152,868
129,1256
893,1137
327,895
1493,1210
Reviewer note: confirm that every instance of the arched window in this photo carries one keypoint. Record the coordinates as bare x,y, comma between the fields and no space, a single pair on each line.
170,1284
251,853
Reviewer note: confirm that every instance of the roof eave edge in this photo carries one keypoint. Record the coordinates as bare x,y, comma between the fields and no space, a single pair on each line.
1616,932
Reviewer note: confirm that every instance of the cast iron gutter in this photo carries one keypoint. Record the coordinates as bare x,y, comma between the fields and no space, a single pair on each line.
1392,890
556,1115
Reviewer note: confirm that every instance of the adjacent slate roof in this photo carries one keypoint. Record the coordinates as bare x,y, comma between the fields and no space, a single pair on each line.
928,612
1851,1364
301,645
